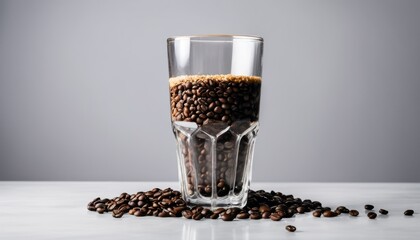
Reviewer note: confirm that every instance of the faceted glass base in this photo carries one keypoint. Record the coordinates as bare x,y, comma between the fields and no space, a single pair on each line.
215,161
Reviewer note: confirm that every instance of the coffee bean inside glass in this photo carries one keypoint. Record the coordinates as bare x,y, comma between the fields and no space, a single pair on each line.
215,88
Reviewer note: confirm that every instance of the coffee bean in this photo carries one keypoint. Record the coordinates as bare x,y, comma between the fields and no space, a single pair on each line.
329,214
99,205
255,216
91,208
243,215
219,210
371,215
218,109
187,214
290,228
369,207
100,210
214,216
197,216
383,211
163,214
317,213
275,217
264,208
266,215
301,209
228,217
342,209
409,212
354,213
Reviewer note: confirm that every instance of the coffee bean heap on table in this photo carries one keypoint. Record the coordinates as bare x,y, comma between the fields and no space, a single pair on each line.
261,205
215,102
169,203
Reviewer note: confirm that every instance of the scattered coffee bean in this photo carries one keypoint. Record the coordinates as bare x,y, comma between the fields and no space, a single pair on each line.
342,209
317,213
369,207
383,211
290,228
354,213
409,212
214,216
329,214
371,215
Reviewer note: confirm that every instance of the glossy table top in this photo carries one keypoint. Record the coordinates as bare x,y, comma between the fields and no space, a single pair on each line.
57,210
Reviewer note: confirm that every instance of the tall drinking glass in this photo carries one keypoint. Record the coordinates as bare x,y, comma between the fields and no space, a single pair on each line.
214,85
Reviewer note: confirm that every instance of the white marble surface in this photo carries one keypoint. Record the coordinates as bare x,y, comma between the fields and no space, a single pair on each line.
57,210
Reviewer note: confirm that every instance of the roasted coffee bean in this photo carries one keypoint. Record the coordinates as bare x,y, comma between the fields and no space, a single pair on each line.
290,228
228,217
317,213
197,216
275,217
329,214
255,216
266,215
100,210
219,210
337,212
214,216
342,209
354,213
163,214
206,212
383,211
409,212
243,215
91,208
187,214
117,215
371,215
301,209
369,207
99,205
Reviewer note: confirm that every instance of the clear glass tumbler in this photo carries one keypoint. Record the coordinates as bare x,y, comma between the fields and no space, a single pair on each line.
215,85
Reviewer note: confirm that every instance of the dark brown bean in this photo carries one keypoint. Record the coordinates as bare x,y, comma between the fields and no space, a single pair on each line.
329,214
371,215
409,212
228,217
243,215
187,214
100,210
369,207
290,228
383,211
275,217
197,216
354,213
317,213
255,216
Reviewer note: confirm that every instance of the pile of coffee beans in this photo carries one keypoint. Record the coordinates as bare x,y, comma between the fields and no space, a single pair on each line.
227,98
215,103
260,205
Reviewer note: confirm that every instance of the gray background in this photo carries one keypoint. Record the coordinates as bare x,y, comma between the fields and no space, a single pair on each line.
84,91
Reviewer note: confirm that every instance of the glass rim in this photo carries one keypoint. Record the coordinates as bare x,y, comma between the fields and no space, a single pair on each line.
215,37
